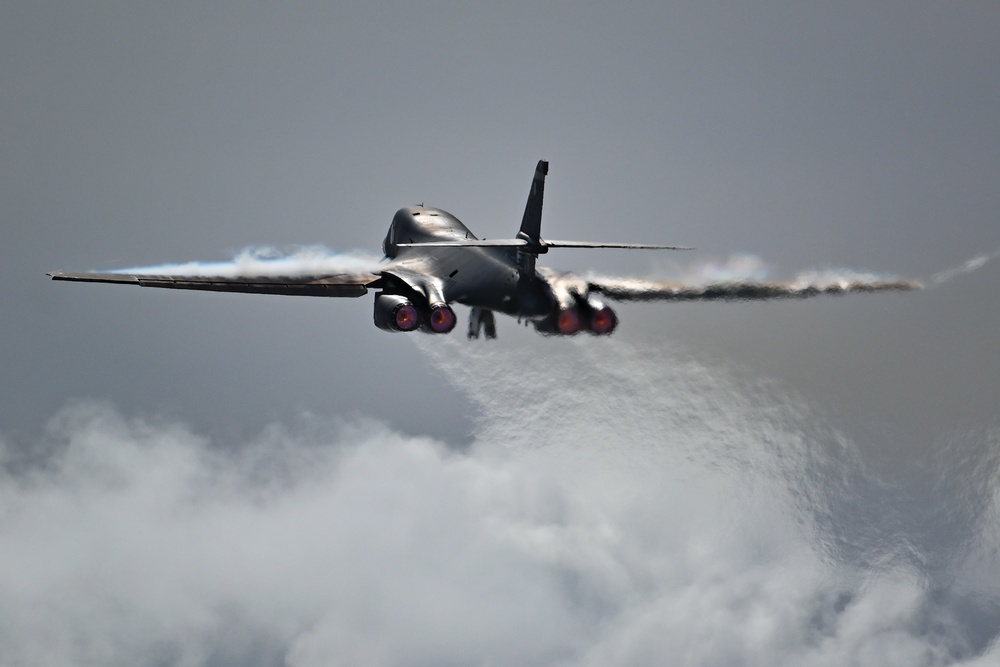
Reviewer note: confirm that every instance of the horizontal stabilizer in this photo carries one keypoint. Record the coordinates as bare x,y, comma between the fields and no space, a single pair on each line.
521,243
468,243
627,246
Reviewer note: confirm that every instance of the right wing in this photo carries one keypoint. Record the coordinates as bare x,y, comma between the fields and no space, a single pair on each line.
636,289
336,285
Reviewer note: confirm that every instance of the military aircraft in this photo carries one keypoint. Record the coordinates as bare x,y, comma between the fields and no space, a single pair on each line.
432,261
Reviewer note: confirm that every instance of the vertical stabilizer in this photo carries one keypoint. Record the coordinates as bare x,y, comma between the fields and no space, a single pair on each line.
531,223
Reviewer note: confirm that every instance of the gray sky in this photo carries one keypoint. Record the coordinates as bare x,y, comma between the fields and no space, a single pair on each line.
855,135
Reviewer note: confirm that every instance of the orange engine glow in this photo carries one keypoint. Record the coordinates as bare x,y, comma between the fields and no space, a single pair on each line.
407,318
442,319
603,321
568,322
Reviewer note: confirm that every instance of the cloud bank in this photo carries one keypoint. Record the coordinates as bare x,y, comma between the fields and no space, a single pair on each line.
617,506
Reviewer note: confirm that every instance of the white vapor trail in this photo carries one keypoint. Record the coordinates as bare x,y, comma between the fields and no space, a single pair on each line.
617,506
268,261
969,266
739,268
744,278
749,268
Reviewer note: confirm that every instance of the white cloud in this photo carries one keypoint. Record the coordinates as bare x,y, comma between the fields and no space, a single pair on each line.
616,507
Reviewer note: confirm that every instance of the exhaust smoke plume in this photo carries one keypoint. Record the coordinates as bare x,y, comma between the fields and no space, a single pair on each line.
617,506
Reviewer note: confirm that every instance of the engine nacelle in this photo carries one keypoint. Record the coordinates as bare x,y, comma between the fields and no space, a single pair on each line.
394,312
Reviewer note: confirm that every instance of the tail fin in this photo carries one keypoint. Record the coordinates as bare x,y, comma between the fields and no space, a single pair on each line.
529,243
531,223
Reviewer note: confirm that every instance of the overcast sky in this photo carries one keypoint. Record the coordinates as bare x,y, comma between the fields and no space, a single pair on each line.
810,136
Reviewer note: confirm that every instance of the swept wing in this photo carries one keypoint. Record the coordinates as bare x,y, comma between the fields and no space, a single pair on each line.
636,289
338,285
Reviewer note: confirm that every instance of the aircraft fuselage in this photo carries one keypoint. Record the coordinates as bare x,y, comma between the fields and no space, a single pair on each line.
500,279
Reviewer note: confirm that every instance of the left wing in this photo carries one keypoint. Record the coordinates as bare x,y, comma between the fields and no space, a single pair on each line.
336,285
635,289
